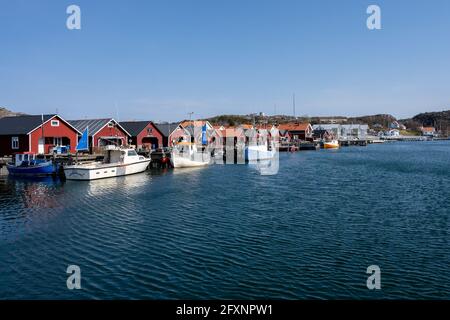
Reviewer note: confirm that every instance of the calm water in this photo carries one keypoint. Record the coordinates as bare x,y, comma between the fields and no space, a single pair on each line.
227,232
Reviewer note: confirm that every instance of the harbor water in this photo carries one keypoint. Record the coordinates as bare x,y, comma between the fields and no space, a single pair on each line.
225,231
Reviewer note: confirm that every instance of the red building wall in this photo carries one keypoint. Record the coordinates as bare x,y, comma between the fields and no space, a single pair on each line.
6,144
177,134
154,133
63,130
114,131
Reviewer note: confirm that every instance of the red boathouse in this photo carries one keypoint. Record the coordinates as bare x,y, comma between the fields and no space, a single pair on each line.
38,134
103,132
144,134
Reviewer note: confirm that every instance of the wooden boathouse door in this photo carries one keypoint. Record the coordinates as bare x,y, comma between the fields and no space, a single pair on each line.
41,146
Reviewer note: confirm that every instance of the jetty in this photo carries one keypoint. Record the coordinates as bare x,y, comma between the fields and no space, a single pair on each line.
3,162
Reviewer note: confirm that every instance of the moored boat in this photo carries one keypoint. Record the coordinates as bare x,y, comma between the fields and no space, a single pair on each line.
259,152
117,162
308,146
26,164
332,144
186,155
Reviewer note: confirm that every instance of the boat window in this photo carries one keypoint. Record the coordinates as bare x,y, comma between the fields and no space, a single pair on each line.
132,153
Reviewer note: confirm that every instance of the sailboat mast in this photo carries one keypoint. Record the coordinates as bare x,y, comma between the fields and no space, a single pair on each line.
42,133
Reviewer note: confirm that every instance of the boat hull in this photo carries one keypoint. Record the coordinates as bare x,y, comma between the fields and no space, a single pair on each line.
182,162
43,169
309,146
255,153
80,172
331,145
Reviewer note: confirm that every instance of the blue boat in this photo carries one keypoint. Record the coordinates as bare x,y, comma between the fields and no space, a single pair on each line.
26,164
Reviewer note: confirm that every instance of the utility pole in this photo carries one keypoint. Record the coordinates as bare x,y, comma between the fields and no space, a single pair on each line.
293,103
191,125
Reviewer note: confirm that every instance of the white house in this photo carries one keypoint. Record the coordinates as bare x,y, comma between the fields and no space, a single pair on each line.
354,131
391,133
428,131
345,131
333,128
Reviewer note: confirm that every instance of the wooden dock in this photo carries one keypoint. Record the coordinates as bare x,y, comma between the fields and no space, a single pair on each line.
348,143
3,162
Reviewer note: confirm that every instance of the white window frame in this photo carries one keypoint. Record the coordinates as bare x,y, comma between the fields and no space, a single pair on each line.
14,143
54,123
56,141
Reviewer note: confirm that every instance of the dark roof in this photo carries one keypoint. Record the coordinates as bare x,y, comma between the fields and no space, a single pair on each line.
22,124
94,124
134,127
166,128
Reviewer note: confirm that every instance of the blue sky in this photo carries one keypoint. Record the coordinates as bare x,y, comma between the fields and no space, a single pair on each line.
160,60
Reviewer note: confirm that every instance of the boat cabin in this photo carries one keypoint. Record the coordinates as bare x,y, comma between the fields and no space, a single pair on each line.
24,158
115,154
185,147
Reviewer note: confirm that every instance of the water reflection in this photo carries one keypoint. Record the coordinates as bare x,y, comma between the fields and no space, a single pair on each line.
128,184
186,171
28,204
33,193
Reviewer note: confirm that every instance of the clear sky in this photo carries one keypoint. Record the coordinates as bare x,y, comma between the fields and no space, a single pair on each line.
161,59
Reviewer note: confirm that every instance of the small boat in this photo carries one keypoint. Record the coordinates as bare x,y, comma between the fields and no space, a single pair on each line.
117,162
308,146
186,155
259,152
332,144
26,164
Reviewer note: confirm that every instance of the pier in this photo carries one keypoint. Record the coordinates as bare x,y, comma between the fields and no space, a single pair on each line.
3,162
359,142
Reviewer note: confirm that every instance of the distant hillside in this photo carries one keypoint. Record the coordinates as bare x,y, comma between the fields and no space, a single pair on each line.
378,119
7,113
439,120
433,119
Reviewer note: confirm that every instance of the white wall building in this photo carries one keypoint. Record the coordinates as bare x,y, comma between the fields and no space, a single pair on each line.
345,131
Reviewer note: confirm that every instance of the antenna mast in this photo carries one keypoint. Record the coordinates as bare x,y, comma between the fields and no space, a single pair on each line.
293,103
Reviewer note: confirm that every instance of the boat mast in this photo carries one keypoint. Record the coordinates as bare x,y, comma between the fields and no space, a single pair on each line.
42,131
191,124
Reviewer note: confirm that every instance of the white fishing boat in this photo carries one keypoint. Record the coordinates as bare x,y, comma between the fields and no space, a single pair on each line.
186,155
117,162
259,152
